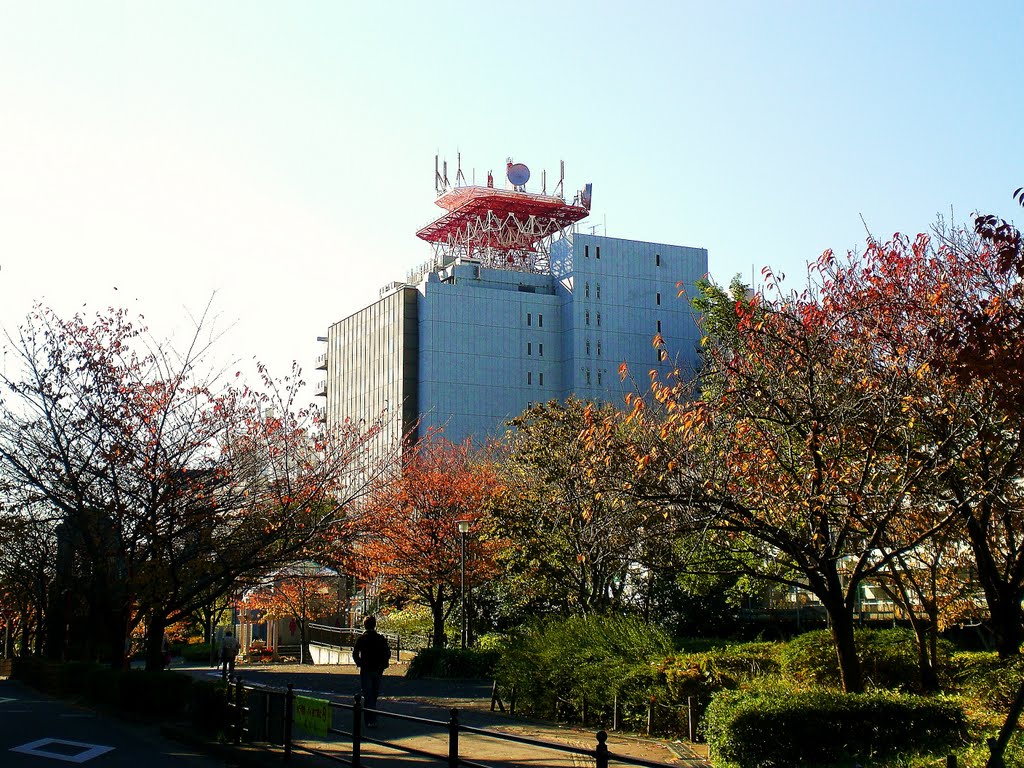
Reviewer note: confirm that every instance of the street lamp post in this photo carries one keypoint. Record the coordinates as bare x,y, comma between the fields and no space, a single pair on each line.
463,530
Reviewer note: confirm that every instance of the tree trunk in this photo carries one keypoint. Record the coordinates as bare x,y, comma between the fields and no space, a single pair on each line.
155,643
1003,596
437,611
997,746
846,648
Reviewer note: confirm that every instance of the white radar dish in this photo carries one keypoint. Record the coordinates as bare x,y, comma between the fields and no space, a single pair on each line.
518,174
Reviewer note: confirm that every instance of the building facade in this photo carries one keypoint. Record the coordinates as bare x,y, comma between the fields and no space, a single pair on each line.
470,346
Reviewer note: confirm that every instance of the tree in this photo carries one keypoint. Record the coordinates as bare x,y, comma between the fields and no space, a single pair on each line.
407,532
303,591
786,458
162,486
573,542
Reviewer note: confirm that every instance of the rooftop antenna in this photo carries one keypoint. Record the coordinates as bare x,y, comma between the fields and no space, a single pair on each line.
559,190
544,182
437,176
458,174
444,166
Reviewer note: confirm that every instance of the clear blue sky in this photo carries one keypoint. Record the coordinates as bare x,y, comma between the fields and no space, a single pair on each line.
281,154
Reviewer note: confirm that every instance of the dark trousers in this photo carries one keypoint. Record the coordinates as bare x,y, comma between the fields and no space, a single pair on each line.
370,684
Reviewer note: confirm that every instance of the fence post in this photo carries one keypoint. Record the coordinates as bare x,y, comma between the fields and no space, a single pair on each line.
289,719
601,753
691,719
615,712
650,717
453,740
238,710
357,729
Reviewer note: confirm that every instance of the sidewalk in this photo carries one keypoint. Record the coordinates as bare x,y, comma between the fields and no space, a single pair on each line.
434,699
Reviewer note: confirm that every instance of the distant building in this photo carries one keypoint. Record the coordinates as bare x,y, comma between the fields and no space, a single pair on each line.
485,330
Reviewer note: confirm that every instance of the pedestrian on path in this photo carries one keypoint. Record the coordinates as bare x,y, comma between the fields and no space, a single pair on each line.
372,654
228,652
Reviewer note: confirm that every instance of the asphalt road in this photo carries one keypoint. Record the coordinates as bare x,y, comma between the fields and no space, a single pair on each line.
39,732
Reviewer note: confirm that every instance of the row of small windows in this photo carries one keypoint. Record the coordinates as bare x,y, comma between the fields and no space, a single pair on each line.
586,375
540,319
540,349
586,318
586,290
540,378
598,347
597,254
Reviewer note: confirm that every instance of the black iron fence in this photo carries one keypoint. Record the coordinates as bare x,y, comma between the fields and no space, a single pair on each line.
268,714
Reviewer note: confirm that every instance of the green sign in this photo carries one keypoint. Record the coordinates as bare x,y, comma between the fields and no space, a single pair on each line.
312,715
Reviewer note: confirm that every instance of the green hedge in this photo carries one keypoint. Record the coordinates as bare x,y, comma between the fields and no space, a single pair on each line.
195,652
723,667
581,665
469,663
888,658
982,676
822,728
157,695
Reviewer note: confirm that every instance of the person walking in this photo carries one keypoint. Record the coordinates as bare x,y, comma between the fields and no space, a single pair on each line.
372,654
228,652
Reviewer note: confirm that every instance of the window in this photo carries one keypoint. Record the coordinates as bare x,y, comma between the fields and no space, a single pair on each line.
586,251
598,347
540,321
598,249
659,326
541,375
588,347
657,259
657,299
598,290
598,377
529,377
540,350
529,348
588,376
586,290
598,319
586,318
529,319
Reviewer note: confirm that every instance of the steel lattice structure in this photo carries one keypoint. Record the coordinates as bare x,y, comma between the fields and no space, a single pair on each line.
500,228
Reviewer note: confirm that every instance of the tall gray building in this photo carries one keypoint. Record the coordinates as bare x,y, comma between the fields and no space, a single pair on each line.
469,343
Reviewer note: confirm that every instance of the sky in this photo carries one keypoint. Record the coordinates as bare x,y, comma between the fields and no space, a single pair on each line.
275,160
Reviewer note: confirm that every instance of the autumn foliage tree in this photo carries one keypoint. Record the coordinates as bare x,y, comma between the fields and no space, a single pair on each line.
785,459
573,542
408,533
161,485
302,591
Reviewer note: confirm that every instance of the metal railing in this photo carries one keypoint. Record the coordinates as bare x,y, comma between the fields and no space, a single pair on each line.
345,637
238,693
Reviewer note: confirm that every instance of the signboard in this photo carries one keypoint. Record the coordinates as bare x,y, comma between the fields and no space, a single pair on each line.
312,715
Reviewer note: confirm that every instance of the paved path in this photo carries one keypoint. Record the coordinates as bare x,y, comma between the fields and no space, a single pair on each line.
39,732
433,699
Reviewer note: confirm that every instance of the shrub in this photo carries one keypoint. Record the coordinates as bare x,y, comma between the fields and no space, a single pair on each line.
194,652
581,665
209,706
701,674
983,677
146,694
888,658
762,730
469,663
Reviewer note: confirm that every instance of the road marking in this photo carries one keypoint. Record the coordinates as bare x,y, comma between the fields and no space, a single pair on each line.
60,749
6,700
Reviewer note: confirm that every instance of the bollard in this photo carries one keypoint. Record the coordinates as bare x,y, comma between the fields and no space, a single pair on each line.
357,729
453,740
691,720
615,712
289,719
601,753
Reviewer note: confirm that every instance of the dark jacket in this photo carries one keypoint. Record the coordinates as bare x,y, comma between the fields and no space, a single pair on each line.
371,652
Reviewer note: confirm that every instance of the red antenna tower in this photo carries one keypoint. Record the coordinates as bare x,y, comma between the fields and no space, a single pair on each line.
506,228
